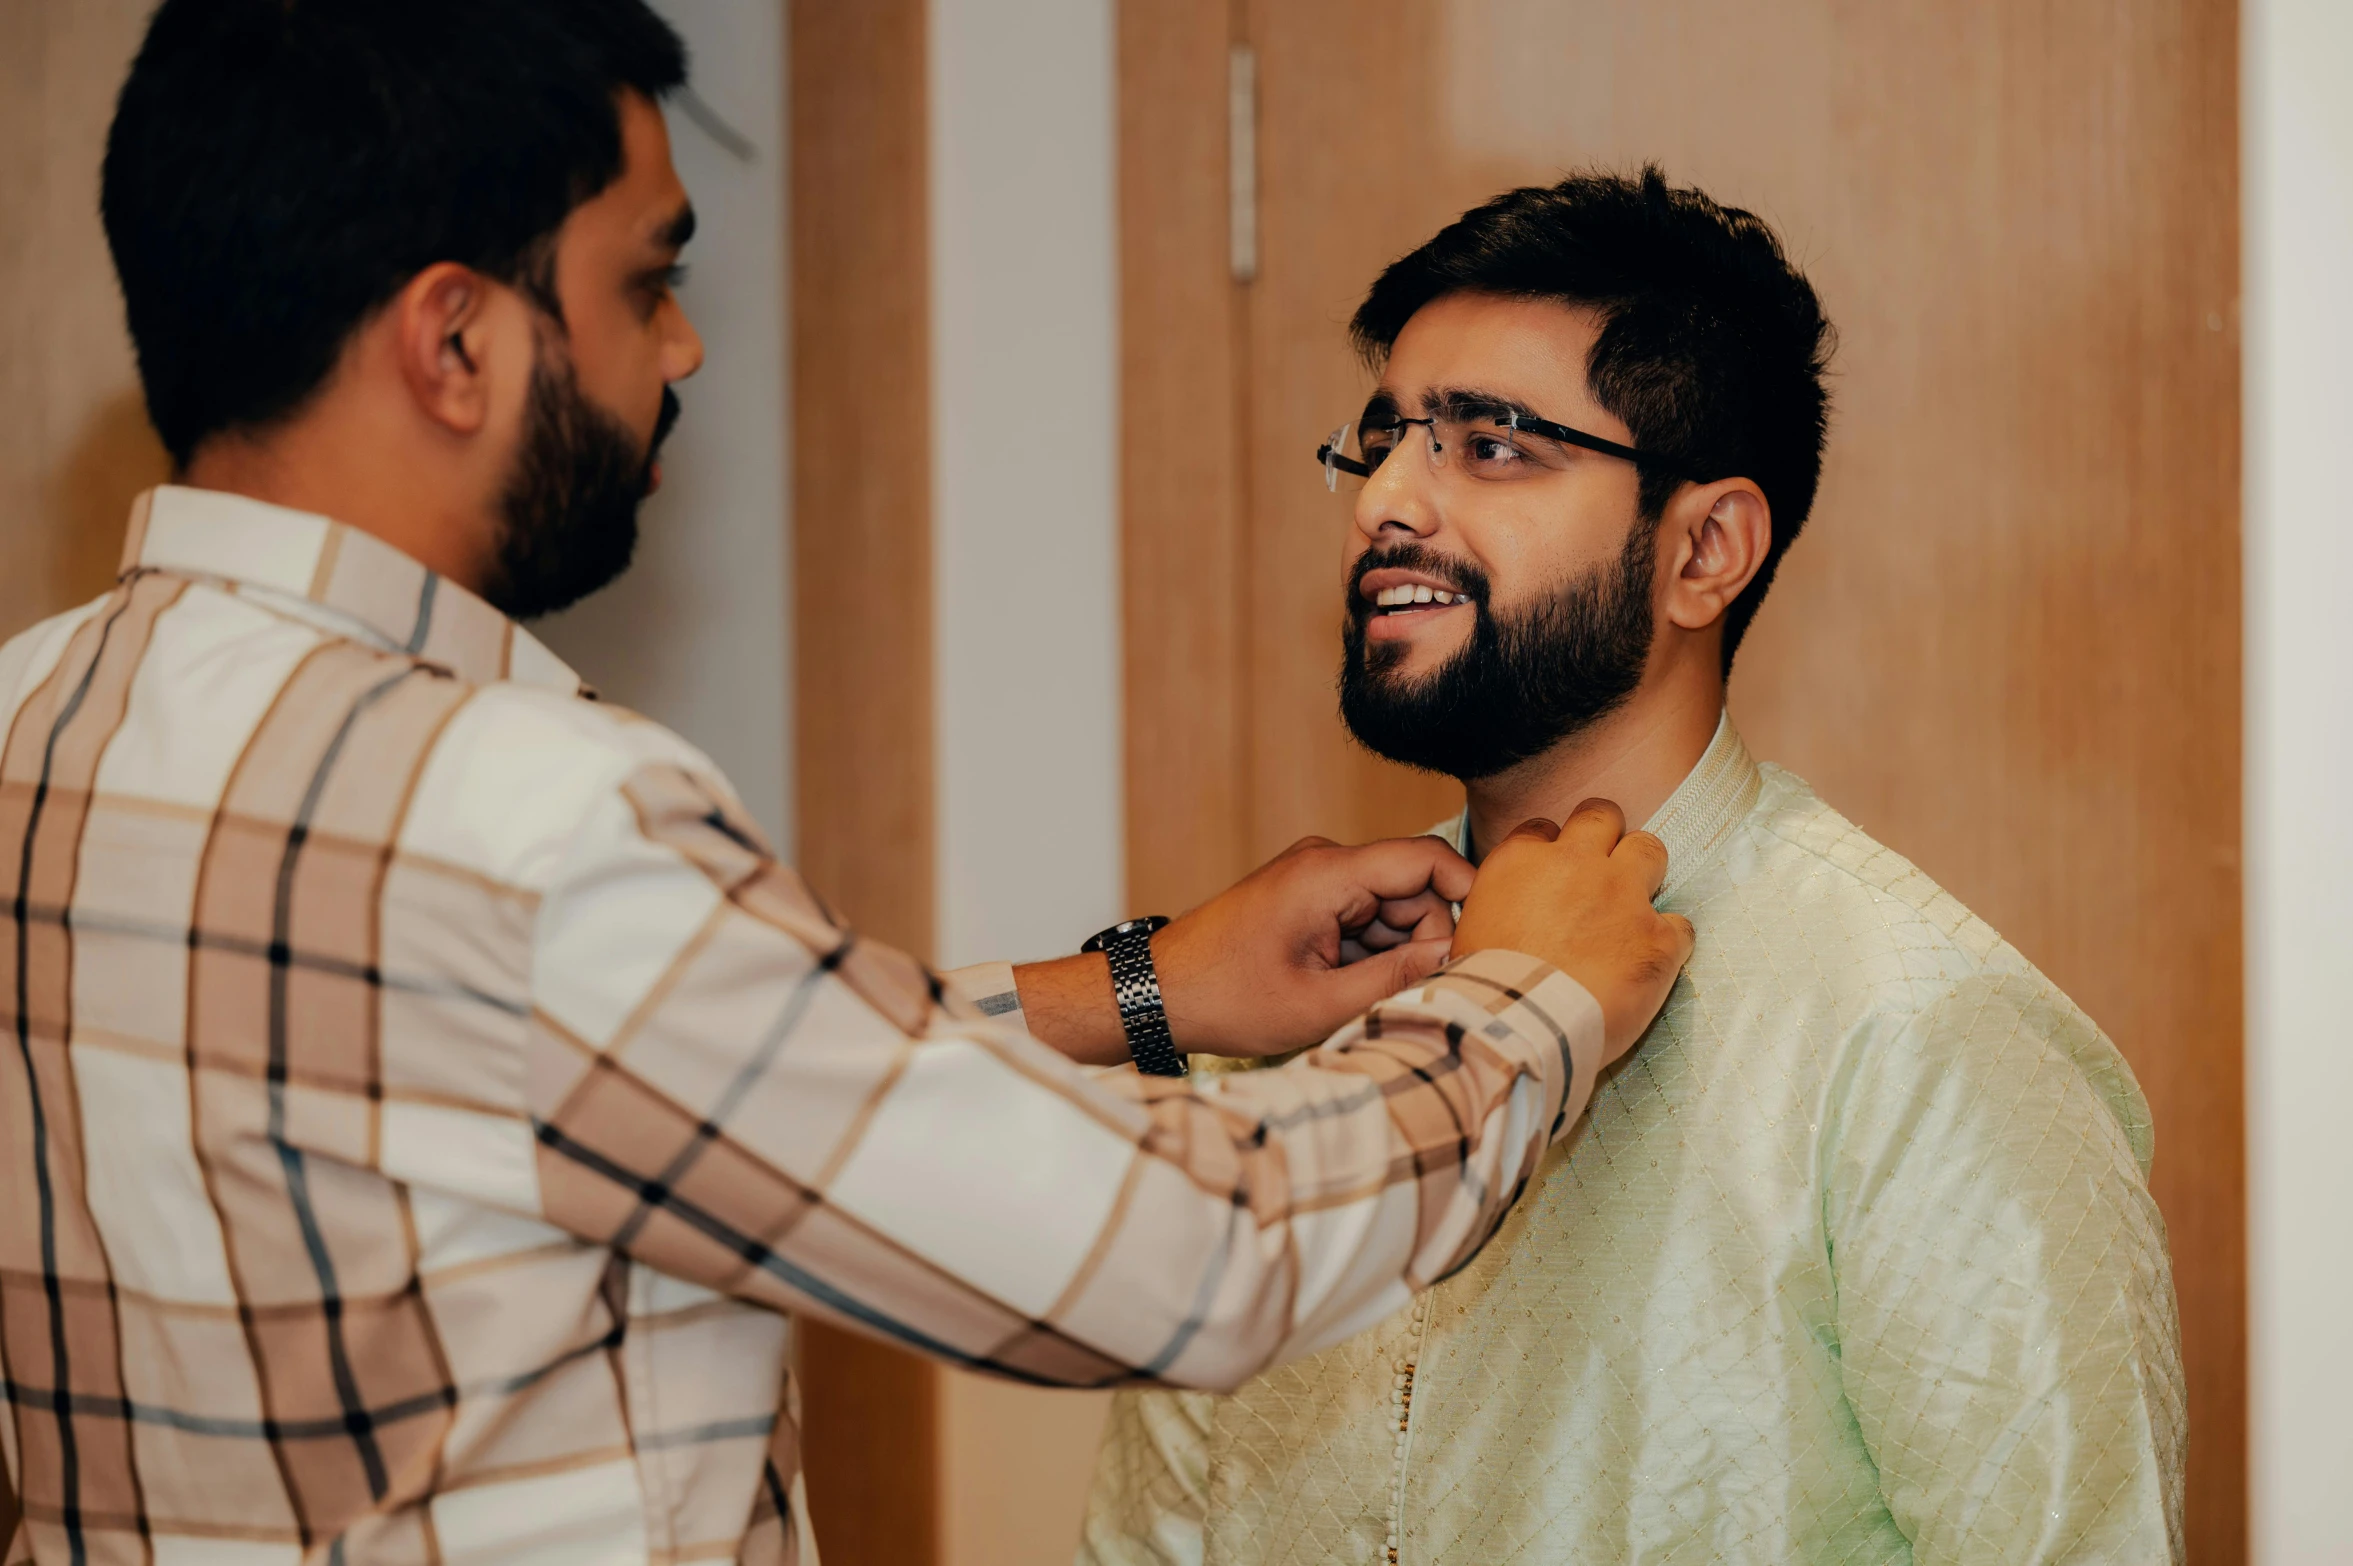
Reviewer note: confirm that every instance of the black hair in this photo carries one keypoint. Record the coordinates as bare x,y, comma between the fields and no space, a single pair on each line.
1713,348
279,169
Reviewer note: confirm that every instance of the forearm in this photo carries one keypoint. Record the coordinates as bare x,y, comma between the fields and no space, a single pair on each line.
785,1112
1332,1189
1068,1003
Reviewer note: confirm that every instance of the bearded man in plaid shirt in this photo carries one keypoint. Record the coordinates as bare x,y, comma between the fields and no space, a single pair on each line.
426,1100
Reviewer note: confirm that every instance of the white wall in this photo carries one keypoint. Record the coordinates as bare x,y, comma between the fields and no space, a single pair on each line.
2298,192
1025,517
695,635
1025,504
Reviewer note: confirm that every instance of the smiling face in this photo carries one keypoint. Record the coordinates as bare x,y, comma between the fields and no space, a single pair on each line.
1501,584
1528,516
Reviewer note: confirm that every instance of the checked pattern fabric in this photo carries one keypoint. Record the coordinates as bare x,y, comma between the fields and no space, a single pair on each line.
423,1102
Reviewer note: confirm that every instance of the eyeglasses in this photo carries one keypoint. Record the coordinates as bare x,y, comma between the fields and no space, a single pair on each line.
1490,447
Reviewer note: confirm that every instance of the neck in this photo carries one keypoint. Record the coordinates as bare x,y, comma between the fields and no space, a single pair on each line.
377,485
1636,757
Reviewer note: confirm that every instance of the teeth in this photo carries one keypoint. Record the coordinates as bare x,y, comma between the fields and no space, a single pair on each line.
1415,593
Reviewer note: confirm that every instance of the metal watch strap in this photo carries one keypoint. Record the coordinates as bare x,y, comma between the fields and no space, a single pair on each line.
1136,985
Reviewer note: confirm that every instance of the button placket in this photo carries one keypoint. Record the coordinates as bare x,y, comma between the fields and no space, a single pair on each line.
1407,1366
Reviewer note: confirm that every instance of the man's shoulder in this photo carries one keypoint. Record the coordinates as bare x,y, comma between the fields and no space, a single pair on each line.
500,774
1887,944
27,657
524,735
505,774
1937,985
519,771
1831,874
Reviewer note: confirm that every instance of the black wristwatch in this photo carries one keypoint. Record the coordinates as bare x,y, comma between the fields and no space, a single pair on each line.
1133,981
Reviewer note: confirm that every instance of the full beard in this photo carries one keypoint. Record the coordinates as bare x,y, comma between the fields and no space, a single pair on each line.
570,505
1520,686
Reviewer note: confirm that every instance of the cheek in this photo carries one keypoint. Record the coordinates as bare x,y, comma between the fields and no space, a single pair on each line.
617,356
1531,553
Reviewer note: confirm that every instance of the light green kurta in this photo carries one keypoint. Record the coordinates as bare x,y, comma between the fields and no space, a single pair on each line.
1853,1261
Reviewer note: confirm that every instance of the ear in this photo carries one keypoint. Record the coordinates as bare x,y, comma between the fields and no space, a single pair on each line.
1715,538
442,333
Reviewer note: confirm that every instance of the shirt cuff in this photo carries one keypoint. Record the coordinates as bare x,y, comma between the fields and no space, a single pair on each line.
1530,997
988,988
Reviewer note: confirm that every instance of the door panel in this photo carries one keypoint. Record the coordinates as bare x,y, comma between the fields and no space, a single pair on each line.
2007,643
862,652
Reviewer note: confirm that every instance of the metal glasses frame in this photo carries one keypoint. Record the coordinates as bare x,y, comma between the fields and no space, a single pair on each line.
1335,462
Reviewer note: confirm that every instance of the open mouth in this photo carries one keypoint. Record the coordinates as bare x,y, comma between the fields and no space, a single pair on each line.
1412,593
1404,600
1413,598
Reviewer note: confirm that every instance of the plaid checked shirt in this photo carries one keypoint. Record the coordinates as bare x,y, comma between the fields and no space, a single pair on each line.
425,1099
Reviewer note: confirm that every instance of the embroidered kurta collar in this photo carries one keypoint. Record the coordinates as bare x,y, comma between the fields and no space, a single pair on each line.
1699,815
338,578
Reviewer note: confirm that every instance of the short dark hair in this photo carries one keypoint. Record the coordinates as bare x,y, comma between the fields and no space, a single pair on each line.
279,169
1713,348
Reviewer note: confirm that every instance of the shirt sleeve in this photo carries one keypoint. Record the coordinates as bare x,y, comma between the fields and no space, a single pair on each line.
989,989
2004,1305
729,1086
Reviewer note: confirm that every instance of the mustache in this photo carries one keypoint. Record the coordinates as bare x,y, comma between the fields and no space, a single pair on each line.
1461,577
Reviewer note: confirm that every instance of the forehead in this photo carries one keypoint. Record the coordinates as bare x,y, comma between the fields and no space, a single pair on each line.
1530,350
648,193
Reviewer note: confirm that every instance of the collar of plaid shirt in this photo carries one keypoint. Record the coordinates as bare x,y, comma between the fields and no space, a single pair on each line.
344,581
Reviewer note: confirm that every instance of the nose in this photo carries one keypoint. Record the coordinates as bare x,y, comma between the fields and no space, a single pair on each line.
1398,502
682,355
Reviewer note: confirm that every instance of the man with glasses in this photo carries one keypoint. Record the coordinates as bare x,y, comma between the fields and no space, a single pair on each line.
1855,1261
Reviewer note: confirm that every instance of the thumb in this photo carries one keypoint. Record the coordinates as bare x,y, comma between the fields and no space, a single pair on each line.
1362,985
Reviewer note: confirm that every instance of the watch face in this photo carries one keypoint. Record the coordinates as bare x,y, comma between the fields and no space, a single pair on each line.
1103,938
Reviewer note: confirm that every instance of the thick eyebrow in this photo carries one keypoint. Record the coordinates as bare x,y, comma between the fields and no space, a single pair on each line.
674,234
1449,402
1471,402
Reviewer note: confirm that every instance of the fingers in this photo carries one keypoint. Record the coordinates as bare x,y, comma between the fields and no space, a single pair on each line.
1436,925
1411,913
1415,962
1645,852
1599,826
1685,939
1404,867
1451,875
1535,829
1428,917
1594,827
1364,985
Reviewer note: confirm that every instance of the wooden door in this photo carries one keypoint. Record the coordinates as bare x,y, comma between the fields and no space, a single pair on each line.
2008,643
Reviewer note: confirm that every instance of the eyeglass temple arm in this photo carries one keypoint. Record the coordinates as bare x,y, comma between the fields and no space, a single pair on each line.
1330,456
1608,448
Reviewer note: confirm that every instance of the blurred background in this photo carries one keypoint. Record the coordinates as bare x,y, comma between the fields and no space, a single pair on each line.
993,570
